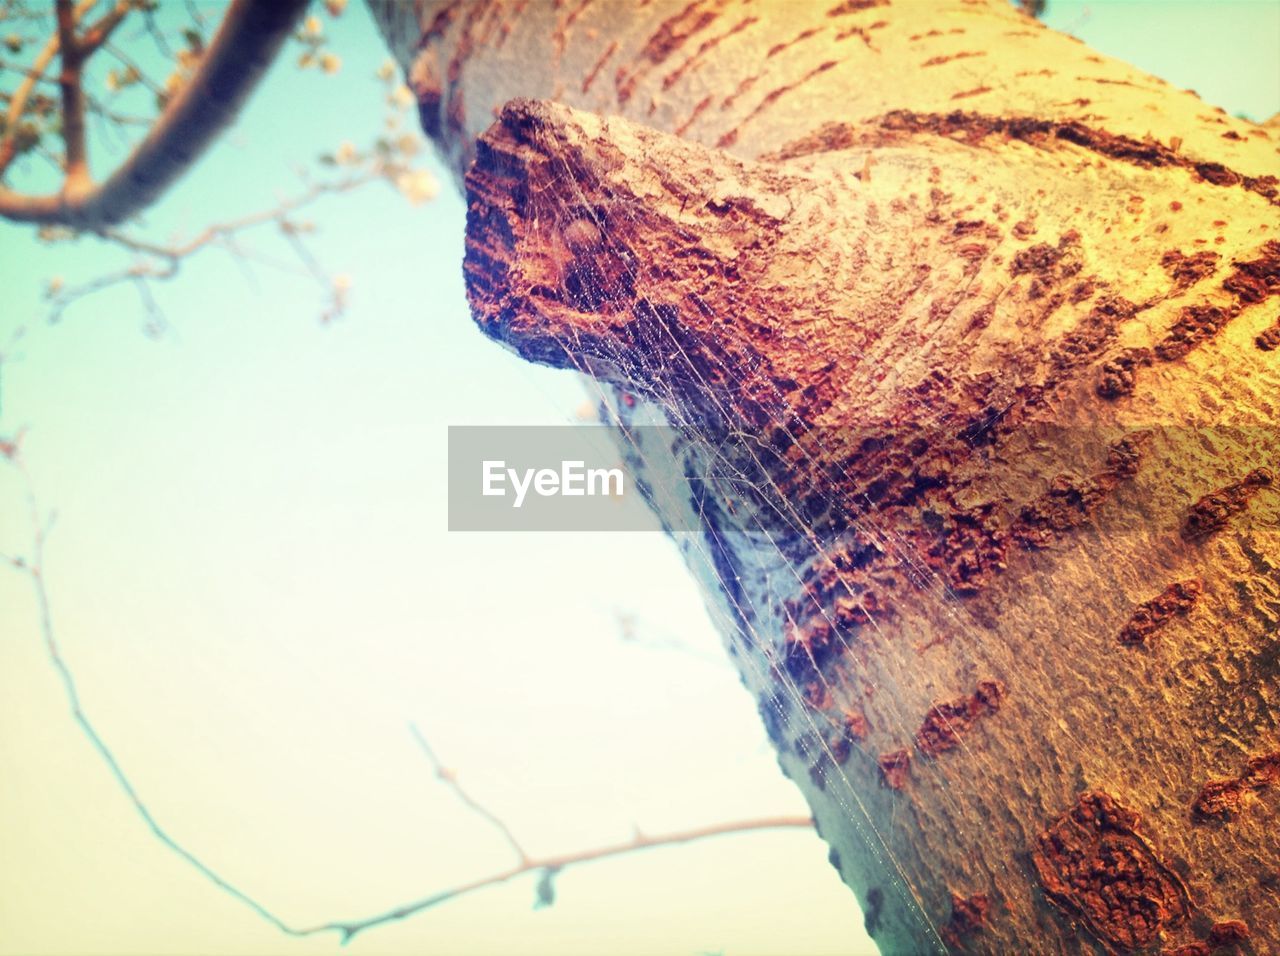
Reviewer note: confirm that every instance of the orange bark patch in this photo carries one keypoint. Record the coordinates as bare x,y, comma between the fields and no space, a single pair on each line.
670,36
947,722
1228,932
787,44
1097,867
939,60
968,916
855,724
971,552
1071,499
1187,270
1212,512
1067,504
590,78
854,6
1037,132
1256,279
1119,374
1195,324
1221,798
1176,600
895,768
706,46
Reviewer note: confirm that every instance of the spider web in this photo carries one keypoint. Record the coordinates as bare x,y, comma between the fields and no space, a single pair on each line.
752,563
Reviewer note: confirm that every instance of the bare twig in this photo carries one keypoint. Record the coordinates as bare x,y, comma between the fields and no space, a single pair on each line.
450,778
555,864
153,31
278,213
163,261
156,322
113,117
548,866
129,63
96,34
28,73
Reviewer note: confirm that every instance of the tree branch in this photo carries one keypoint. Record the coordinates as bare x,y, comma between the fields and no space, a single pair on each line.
33,568
70,82
554,864
18,104
248,40
163,261
129,63
98,33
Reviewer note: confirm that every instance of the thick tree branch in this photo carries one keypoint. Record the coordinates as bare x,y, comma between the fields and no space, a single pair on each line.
246,44
995,314
70,83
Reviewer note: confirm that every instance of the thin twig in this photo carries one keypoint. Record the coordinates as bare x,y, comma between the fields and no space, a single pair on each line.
212,233
33,568
161,262
632,630
153,30
28,73
561,862
113,117
96,34
129,64
156,322
450,779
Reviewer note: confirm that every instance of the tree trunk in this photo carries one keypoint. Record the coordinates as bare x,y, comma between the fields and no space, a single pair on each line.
986,324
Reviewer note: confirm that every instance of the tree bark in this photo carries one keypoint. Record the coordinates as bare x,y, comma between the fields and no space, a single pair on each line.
989,320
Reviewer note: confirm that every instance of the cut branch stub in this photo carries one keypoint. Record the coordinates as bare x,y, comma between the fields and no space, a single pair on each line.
872,324
650,262
931,288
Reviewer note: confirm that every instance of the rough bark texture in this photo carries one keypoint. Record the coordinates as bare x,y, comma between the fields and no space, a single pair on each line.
998,314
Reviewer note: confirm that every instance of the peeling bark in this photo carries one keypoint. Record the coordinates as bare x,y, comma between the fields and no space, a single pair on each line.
1012,367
